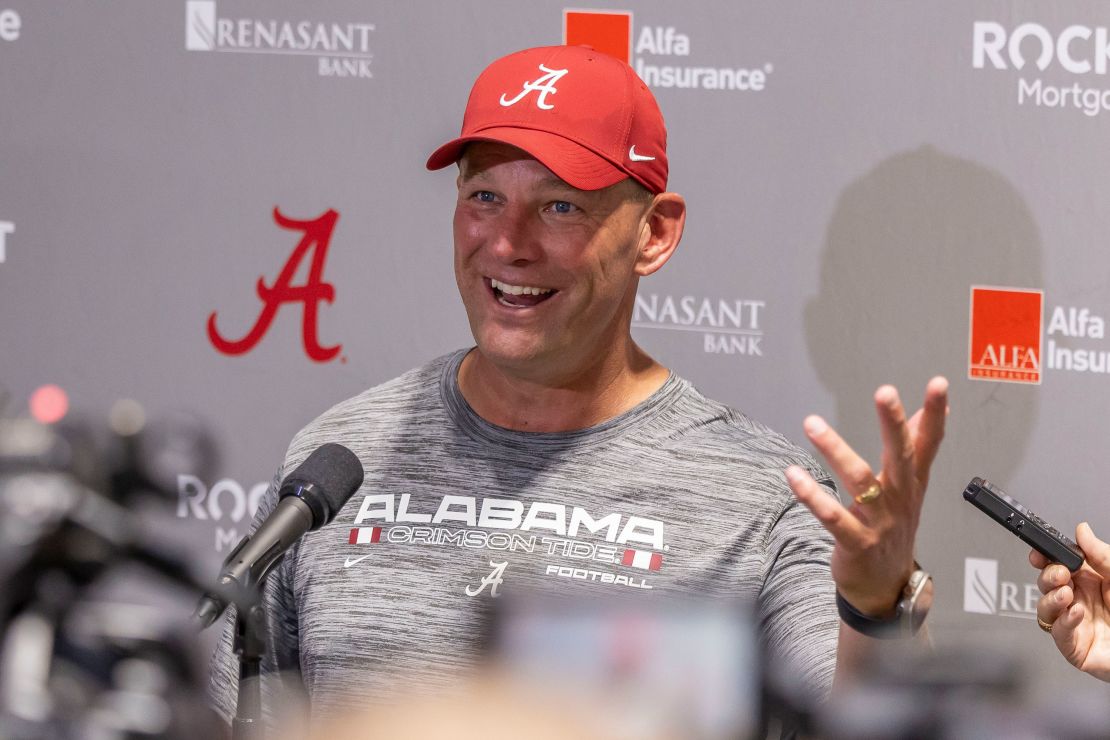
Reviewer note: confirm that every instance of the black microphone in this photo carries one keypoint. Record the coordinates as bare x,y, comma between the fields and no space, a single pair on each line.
309,498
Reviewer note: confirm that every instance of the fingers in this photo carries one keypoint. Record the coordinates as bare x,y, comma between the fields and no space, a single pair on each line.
928,426
1066,632
1053,604
832,515
848,466
1095,551
897,442
1053,577
1037,560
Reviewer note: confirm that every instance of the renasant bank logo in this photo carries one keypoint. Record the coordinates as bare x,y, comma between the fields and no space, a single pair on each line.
984,593
341,49
1074,50
655,50
728,327
1005,334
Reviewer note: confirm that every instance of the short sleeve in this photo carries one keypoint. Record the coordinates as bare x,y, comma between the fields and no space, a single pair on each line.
797,604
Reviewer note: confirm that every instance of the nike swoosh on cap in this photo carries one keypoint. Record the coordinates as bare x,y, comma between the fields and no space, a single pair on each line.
637,157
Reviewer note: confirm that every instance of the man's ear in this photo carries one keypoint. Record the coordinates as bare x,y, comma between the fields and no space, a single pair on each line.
661,232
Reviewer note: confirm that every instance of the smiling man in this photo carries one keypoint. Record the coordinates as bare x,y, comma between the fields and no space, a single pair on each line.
557,446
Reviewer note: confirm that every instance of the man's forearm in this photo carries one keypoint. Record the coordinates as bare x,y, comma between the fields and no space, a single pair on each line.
854,649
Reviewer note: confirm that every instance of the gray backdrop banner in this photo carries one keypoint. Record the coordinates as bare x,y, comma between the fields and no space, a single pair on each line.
220,207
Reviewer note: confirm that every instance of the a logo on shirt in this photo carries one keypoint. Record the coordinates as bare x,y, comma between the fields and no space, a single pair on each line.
508,525
353,561
493,580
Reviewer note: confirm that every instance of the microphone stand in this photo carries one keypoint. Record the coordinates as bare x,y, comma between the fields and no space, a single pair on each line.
249,645
250,633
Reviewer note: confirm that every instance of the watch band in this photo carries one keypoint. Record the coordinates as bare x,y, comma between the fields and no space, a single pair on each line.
908,616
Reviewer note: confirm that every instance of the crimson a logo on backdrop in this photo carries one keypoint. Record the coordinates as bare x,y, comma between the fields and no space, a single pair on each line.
316,238
1075,50
10,25
653,54
728,327
341,49
6,227
1007,337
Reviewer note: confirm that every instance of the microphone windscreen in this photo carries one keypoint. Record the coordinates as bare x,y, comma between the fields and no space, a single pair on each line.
325,481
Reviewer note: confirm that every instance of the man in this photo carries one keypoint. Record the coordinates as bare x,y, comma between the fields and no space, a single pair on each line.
558,447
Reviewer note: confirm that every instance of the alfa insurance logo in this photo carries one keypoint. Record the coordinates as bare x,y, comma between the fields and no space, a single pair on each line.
341,49
1075,51
1005,342
659,52
986,593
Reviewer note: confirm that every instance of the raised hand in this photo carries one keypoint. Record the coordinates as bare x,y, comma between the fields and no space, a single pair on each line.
873,557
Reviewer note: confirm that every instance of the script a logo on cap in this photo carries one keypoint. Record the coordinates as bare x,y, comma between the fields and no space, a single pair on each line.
543,85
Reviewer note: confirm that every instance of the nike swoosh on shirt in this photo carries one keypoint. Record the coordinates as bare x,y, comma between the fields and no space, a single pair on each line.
348,562
637,157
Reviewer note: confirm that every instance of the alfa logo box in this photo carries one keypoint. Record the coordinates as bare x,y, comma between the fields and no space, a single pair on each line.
1005,339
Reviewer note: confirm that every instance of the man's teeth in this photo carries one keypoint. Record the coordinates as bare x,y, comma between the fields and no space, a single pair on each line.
518,289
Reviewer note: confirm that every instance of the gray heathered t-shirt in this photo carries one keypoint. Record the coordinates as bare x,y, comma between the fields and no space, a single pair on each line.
679,495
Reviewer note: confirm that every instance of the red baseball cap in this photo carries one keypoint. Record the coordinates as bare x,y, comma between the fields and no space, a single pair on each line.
583,114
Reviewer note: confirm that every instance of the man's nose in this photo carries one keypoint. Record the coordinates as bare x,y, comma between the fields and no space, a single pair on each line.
517,237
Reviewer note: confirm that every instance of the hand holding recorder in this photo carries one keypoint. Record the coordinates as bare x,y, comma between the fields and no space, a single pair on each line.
1077,605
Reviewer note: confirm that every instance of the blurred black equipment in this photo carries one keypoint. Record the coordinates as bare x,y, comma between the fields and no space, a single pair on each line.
73,664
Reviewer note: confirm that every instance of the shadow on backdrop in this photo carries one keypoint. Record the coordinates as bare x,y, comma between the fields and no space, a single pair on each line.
905,243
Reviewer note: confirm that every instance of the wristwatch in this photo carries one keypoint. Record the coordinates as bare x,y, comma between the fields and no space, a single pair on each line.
909,613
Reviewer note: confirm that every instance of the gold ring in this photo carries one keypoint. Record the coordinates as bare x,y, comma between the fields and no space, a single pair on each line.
873,492
1046,626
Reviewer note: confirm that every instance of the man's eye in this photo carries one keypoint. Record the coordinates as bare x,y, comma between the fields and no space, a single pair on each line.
484,196
561,206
